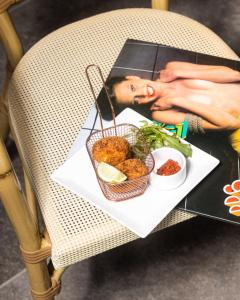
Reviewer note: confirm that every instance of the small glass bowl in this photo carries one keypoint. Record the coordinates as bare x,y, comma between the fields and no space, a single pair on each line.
168,182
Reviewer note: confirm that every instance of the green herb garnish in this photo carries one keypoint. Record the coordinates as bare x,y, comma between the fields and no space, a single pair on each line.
151,136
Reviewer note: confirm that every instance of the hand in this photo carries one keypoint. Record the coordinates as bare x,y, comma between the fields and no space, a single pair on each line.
220,74
217,100
212,118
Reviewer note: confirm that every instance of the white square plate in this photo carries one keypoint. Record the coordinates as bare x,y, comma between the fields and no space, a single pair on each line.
140,214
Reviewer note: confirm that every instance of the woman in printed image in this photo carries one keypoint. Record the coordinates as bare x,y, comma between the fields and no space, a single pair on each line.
208,97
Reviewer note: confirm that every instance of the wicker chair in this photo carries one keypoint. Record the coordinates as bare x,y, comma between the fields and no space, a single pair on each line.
49,100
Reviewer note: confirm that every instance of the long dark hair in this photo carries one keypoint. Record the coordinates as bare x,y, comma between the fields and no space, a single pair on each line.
103,103
111,83
103,99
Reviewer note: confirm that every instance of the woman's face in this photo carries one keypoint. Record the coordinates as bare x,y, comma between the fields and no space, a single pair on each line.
134,89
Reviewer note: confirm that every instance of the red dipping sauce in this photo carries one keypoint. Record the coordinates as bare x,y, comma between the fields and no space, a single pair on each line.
170,167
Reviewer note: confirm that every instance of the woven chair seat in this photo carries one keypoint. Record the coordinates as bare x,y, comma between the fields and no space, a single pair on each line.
49,100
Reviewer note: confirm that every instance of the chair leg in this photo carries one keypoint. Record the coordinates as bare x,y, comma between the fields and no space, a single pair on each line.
4,123
14,51
30,197
4,126
160,4
40,282
10,40
25,228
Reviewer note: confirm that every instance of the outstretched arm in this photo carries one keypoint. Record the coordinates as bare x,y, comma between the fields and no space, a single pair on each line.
212,118
220,74
172,116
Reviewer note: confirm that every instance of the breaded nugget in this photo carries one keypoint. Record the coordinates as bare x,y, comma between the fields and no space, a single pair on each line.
132,168
111,150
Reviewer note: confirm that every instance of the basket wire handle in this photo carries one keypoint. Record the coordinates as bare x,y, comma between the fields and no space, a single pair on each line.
95,98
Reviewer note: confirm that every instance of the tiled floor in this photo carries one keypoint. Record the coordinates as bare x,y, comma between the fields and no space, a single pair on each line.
197,259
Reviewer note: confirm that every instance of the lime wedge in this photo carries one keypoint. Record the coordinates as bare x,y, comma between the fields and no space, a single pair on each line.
110,174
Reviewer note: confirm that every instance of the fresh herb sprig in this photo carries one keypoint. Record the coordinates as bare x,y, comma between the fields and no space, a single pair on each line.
141,148
153,135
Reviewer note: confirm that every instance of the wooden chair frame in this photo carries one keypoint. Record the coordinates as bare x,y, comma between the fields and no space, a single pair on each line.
21,207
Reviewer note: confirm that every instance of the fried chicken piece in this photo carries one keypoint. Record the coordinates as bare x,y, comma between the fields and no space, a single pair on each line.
132,168
111,150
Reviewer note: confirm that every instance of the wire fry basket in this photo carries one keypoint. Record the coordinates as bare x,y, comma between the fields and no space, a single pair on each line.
128,188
